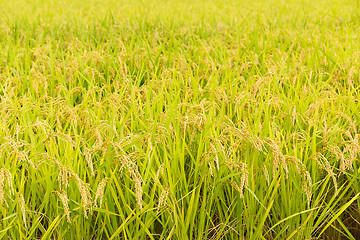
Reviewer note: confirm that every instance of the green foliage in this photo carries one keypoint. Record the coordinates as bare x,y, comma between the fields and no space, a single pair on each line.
179,119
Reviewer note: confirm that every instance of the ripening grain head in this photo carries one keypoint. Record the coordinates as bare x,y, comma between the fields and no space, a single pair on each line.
65,202
5,179
22,208
100,192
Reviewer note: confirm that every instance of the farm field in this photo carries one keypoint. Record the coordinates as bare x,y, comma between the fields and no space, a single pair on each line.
179,119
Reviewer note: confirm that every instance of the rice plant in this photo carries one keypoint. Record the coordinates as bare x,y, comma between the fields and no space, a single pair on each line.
179,119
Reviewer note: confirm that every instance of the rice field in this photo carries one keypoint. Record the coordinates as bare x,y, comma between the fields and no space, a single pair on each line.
166,119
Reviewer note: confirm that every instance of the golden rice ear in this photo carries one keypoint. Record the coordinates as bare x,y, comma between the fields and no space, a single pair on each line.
244,178
266,174
211,168
65,202
352,148
159,172
129,164
66,138
89,160
22,208
324,163
150,147
307,186
5,177
99,141
345,163
162,199
216,158
84,192
64,175
244,173
138,191
279,158
100,191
